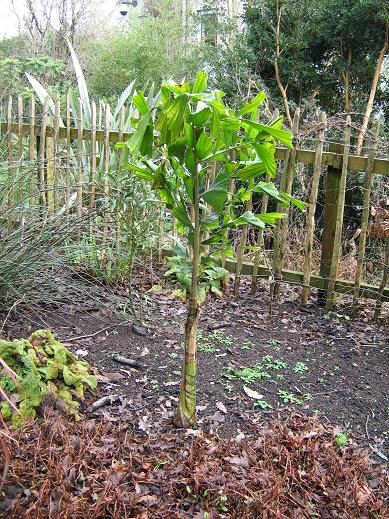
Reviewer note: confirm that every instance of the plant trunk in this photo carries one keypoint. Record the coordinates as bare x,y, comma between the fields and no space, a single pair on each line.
185,415
369,107
346,82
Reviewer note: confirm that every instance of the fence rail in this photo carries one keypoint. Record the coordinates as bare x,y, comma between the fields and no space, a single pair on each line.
65,157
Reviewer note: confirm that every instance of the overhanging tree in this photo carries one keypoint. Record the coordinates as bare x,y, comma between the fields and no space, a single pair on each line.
183,145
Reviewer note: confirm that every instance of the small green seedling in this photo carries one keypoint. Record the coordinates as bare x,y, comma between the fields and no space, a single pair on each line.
300,367
341,439
288,398
273,364
262,404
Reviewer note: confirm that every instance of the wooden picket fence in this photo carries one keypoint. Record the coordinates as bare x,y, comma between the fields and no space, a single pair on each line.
64,157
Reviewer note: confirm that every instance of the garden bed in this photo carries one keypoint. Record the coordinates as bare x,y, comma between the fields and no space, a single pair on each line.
327,365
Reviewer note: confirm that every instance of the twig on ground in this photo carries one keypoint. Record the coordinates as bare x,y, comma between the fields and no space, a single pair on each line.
79,337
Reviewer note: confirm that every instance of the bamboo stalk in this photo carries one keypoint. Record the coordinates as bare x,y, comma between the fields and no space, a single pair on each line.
42,154
107,115
330,300
11,172
92,190
31,148
80,178
365,214
310,220
281,229
384,281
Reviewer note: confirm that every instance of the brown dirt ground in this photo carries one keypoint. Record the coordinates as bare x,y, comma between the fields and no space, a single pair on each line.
345,378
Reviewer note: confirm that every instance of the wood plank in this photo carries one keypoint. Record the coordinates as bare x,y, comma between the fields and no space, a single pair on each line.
338,216
356,163
342,286
311,209
80,176
365,213
31,152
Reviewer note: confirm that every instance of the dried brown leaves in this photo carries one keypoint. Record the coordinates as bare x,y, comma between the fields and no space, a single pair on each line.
292,469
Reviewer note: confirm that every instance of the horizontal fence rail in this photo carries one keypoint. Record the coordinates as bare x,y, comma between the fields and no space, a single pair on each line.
71,159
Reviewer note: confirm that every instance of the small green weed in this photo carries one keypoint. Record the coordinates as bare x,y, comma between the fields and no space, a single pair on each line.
300,367
262,404
247,375
273,364
341,439
288,398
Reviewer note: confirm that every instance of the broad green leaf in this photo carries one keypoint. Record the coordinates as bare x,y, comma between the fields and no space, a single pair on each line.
215,197
141,172
253,105
201,117
266,151
283,136
200,83
249,218
141,103
251,170
203,146
135,141
298,203
270,218
270,189
181,214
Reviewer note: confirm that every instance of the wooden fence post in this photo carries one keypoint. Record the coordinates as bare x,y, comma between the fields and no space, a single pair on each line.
365,214
20,179
337,216
310,219
92,191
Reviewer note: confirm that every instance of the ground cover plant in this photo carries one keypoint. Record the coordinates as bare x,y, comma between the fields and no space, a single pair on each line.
191,146
43,368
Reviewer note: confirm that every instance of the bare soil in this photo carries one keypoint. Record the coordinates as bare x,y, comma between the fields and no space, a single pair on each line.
331,366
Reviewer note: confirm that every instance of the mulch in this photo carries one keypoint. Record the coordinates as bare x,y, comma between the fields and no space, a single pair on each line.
93,469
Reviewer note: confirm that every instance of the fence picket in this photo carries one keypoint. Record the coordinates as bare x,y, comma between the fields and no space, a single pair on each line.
42,153
11,173
281,229
92,189
107,117
384,281
365,213
80,177
68,149
310,220
31,151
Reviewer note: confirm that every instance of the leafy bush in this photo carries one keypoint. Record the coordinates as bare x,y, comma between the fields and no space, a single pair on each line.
211,274
44,367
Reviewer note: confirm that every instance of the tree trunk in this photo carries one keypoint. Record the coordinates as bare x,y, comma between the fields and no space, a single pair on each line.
346,82
373,90
185,415
281,87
